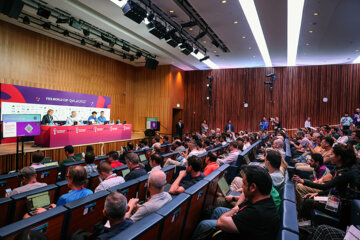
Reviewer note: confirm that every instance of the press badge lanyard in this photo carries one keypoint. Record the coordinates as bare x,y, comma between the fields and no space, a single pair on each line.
333,202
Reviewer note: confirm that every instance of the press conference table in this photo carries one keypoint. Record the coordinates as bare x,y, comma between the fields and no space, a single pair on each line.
59,136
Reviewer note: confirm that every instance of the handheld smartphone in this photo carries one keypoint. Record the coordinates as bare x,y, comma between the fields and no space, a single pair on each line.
83,154
8,191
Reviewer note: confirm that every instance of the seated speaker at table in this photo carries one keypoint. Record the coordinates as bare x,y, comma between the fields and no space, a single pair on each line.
102,118
48,118
93,119
73,119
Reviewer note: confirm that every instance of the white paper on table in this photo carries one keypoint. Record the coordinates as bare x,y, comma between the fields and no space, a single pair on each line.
352,234
321,199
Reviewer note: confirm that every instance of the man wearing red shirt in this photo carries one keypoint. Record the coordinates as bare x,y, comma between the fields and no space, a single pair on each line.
211,164
113,159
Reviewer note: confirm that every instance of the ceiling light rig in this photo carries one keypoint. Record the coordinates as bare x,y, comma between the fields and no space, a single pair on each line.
62,23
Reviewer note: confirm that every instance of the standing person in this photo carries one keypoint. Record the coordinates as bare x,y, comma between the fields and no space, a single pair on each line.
72,119
308,123
277,125
346,121
48,118
229,126
204,127
264,124
93,118
102,117
179,128
356,118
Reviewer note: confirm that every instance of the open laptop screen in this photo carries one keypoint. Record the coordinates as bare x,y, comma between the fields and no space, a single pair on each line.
38,200
224,186
142,157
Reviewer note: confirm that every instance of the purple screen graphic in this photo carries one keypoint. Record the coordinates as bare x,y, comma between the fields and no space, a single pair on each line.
28,128
153,125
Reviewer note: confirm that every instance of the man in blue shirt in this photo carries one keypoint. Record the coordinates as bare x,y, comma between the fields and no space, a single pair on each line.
77,179
102,118
264,124
93,117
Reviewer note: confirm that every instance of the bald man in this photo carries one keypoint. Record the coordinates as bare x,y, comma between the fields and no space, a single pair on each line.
279,145
158,198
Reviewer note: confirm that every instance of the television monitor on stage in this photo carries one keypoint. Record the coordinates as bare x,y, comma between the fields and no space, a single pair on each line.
20,125
155,125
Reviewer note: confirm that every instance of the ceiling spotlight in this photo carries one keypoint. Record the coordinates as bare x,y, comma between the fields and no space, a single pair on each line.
47,26
26,20
189,24
132,58
150,17
97,45
200,35
204,58
138,54
125,48
86,32
134,11
42,12
196,51
66,33
124,56
112,50
75,24
156,29
62,20
83,42
186,48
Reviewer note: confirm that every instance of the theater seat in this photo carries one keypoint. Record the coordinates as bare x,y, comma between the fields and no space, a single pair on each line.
118,170
84,213
94,181
289,192
141,191
8,181
289,217
146,228
174,213
19,207
5,206
355,212
128,189
319,218
169,171
100,159
62,189
47,174
213,179
286,235
50,222
198,195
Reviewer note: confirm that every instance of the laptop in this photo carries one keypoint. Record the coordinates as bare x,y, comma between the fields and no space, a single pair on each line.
225,189
125,172
142,158
247,159
40,200
51,164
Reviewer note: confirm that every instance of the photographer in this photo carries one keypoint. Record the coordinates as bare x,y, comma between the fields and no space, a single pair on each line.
264,124
276,123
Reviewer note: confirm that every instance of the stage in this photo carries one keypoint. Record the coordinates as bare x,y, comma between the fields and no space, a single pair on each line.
8,151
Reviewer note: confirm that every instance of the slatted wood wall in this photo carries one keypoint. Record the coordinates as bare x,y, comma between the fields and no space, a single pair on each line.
297,93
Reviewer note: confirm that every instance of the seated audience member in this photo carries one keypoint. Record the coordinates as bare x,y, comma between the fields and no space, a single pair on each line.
178,146
27,177
343,137
158,198
187,177
156,148
37,157
115,208
133,161
155,162
278,144
109,179
344,185
155,139
316,143
223,140
192,151
326,145
77,179
273,163
90,167
89,149
207,144
254,216
217,142
143,144
70,157
230,159
129,148
303,142
316,162
211,164
113,159
165,140
246,143
240,144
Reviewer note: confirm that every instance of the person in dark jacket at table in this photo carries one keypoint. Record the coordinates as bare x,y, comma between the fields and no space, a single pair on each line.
133,163
48,118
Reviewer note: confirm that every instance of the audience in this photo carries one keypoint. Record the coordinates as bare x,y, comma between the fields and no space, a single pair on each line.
211,164
157,199
155,162
187,177
155,139
273,163
70,157
115,208
254,216
37,158
90,167
109,179
27,176
133,163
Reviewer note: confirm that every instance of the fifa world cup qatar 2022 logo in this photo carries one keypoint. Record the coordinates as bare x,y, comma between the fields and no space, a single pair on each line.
54,131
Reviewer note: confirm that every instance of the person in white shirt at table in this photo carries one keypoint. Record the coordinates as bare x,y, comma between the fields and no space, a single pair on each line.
72,119
231,159
155,161
109,179
308,123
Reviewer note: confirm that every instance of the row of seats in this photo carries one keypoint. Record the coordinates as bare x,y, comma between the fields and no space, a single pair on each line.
174,214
